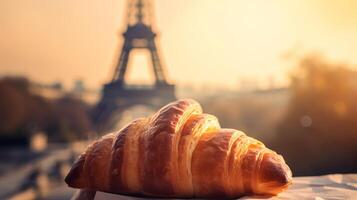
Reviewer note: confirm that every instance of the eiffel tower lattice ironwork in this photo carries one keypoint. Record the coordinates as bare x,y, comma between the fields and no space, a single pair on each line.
117,95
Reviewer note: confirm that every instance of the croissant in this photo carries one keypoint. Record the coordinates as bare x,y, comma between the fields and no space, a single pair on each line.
180,152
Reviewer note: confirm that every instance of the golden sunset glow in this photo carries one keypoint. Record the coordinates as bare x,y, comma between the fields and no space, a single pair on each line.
202,41
161,92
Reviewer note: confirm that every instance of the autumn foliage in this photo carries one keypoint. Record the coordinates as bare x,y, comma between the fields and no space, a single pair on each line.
318,133
22,113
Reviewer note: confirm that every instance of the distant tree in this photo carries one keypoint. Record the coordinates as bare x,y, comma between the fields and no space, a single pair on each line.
319,131
256,114
71,119
13,96
22,112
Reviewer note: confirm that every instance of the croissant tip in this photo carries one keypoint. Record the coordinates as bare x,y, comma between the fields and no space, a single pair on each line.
69,179
275,175
74,177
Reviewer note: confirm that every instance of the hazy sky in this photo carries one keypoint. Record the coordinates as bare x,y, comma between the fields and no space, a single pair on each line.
202,41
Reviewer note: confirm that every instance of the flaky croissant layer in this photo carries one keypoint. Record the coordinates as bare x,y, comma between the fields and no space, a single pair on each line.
180,152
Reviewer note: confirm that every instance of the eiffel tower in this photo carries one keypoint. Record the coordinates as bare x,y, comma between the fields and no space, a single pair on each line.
119,97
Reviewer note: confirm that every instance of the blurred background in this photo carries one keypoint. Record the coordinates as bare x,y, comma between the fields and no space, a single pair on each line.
284,72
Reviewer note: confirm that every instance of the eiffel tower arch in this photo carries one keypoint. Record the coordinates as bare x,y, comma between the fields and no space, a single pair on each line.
118,98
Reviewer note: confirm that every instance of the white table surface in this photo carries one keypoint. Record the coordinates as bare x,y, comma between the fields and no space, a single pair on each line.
334,186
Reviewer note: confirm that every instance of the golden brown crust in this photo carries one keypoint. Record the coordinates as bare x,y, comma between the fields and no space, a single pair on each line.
116,182
124,170
160,146
208,164
97,161
191,132
180,152
132,157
